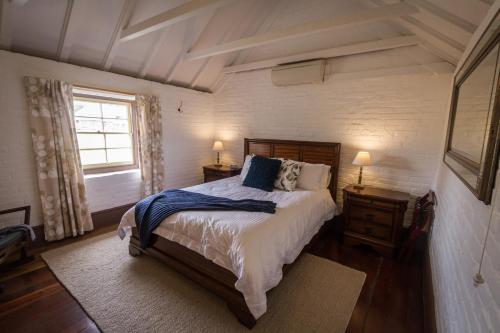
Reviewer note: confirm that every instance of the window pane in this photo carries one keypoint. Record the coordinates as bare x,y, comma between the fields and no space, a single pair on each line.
86,108
90,141
116,111
118,141
93,156
88,124
116,125
120,155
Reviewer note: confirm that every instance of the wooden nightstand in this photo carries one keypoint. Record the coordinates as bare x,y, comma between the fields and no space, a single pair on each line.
374,216
212,172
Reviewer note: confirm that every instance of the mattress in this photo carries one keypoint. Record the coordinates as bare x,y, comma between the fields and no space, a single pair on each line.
254,246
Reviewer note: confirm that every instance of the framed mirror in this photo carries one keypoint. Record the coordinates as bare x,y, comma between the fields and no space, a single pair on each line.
473,132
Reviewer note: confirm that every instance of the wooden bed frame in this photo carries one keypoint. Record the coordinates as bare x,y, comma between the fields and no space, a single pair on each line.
214,277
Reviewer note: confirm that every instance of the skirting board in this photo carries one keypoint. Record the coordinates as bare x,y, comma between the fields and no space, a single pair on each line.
428,293
101,219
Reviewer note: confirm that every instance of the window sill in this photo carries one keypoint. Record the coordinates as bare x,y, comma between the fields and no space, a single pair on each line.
107,174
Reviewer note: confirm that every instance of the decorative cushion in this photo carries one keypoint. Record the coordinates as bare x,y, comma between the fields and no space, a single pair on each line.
246,166
313,176
288,174
262,173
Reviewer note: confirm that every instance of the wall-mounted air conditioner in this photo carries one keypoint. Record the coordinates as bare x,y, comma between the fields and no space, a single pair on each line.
298,73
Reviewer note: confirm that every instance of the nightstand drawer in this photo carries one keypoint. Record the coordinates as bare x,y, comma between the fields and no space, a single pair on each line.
371,215
214,173
363,227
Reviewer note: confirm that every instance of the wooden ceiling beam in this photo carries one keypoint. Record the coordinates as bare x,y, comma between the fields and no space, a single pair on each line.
125,14
190,38
435,41
444,15
377,45
152,54
183,12
301,30
64,40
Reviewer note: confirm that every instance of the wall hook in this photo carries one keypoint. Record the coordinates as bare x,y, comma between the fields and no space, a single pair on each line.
179,108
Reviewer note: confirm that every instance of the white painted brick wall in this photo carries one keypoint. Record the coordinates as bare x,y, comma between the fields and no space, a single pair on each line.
187,136
399,119
457,240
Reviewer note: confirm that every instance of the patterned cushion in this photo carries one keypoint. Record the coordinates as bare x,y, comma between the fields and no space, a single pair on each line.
262,173
288,174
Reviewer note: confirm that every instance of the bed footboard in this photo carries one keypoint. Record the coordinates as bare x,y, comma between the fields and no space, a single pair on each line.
215,278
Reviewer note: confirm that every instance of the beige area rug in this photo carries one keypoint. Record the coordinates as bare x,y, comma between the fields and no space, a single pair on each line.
126,294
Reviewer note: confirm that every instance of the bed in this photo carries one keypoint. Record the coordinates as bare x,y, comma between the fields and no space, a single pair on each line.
242,255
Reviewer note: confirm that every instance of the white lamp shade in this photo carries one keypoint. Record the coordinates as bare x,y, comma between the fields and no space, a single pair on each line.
218,146
362,158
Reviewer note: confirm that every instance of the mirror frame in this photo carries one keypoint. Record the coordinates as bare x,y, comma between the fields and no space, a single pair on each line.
484,172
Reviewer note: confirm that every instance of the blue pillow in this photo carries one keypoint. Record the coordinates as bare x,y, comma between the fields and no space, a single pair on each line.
262,173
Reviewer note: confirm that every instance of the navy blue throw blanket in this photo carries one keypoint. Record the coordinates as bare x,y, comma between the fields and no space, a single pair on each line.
151,211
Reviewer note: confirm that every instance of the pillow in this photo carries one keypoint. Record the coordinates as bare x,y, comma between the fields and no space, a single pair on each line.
262,173
313,176
246,165
288,174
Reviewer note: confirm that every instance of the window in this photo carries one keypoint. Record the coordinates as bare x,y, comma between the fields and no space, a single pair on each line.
105,130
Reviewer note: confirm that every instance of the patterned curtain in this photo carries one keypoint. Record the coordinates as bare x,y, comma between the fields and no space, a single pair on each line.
150,143
60,176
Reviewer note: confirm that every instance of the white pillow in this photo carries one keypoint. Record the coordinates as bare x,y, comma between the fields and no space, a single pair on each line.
246,166
313,176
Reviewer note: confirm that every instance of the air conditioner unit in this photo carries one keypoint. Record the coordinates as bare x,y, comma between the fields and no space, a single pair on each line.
298,73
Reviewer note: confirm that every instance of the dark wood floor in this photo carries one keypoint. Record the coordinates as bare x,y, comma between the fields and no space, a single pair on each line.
391,300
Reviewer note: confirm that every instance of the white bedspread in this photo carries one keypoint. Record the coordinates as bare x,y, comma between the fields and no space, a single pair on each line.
254,246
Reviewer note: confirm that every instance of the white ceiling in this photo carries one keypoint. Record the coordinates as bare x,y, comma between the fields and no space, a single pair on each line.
89,32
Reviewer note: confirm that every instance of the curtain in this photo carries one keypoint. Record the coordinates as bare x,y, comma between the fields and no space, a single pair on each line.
60,176
150,143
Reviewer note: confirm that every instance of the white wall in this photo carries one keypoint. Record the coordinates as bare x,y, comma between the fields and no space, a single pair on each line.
399,118
187,136
456,246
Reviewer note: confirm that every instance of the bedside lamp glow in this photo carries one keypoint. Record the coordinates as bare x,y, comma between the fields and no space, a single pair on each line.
362,159
218,147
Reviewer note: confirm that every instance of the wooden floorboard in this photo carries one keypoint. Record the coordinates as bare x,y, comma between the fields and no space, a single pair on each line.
391,300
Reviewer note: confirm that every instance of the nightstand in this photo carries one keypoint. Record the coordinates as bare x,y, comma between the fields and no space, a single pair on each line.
374,216
212,172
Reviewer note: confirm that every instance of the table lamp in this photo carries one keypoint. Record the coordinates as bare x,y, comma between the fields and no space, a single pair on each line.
362,159
218,147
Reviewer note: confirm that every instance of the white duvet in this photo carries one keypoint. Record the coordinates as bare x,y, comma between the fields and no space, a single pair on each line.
254,246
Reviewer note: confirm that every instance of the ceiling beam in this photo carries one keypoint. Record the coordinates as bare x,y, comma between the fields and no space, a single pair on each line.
301,30
5,25
190,37
63,40
436,68
444,15
125,14
183,12
377,45
75,15
255,15
447,48
153,53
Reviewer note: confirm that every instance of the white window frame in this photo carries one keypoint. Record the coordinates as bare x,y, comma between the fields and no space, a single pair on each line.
102,96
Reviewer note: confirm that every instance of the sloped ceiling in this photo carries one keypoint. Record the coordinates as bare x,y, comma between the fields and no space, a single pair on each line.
92,33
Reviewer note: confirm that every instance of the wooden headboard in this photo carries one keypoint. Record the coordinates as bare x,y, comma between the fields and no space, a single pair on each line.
304,151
